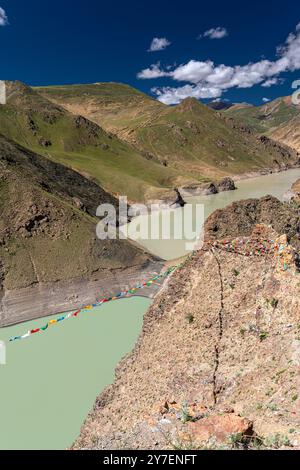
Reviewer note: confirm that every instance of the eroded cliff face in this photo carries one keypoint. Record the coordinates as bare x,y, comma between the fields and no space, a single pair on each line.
217,363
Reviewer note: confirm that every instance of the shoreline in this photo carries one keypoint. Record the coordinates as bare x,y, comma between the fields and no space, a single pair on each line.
201,188
30,303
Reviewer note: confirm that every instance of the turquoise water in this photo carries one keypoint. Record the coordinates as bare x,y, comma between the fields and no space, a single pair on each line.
51,379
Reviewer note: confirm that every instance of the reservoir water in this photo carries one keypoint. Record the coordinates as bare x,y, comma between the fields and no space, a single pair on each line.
51,380
275,184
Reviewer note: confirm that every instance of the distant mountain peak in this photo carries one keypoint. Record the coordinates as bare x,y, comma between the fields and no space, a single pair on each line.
189,104
219,105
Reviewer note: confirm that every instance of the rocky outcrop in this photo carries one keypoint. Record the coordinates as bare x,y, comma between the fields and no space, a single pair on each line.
216,365
210,188
226,184
239,218
218,428
206,189
179,201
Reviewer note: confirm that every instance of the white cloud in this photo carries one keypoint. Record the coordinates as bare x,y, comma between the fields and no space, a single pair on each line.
215,33
271,81
207,80
153,71
169,95
266,100
158,44
3,17
194,71
220,100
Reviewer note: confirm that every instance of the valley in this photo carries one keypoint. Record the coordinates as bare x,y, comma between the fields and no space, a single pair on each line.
66,149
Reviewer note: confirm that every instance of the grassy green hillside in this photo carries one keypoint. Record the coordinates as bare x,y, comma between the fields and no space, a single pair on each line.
190,138
266,118
39,125
114,106
128,142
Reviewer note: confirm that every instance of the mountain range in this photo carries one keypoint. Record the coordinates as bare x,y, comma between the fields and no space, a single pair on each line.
132,144
188,143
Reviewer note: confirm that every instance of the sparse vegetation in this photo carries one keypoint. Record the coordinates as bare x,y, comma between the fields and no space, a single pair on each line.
263,335
190,318
276,441
265,118
185,416
274,303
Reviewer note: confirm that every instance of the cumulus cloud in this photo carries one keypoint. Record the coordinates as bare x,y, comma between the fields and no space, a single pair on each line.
3,17
208,80
158,44
169,95
154,71
215,33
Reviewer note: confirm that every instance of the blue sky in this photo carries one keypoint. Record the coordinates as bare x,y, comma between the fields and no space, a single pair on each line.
203,49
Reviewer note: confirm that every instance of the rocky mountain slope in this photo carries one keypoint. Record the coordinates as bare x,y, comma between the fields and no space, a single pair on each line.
190,139
289,133
48,236
279,119
217,363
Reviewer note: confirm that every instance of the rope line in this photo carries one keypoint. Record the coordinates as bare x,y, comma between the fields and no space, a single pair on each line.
123,294
254,247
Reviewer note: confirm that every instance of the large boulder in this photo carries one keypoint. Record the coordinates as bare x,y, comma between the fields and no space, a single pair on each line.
210,188
226,184
219,428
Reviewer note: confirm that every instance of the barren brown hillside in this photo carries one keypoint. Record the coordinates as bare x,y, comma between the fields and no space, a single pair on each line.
217,363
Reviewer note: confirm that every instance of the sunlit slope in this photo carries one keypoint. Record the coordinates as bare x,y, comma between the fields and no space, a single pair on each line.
189,138
36,123
289,133
268,117
114,106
